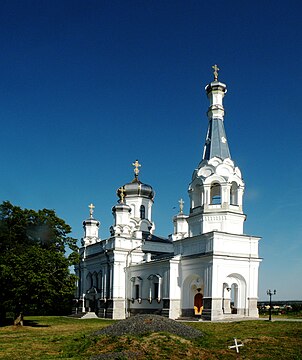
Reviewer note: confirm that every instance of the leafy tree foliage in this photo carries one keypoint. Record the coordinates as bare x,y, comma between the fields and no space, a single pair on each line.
34,268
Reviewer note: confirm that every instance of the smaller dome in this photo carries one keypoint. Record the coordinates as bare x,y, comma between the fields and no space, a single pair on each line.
135,187
91,221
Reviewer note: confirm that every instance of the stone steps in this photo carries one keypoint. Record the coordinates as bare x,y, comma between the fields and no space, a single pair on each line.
188,318
90,315
77,316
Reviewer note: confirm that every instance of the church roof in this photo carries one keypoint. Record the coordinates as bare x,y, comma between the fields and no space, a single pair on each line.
152,237
216,141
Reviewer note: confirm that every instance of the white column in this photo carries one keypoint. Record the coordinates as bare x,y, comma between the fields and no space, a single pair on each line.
83,305
207,191
159,288
111,282
105,283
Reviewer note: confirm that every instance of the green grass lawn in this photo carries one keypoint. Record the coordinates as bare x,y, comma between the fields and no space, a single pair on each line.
67,338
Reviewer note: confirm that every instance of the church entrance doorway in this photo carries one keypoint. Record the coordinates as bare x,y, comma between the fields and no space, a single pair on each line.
192,296
198,303
92,300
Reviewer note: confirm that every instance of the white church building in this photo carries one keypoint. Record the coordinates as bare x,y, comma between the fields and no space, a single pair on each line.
207,268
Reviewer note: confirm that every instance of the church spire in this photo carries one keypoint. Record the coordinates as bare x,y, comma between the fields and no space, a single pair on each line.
216,190
216,144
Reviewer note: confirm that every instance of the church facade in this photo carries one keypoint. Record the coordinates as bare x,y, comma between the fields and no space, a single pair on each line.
207,268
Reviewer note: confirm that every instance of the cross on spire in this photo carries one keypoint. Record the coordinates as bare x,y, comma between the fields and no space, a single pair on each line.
122,194
181,206
91,207
215,72
136,165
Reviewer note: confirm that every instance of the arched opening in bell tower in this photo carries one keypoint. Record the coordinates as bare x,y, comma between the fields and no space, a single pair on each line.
215,194
196,196
234,194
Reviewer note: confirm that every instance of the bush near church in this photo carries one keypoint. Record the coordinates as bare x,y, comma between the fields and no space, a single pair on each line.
34,271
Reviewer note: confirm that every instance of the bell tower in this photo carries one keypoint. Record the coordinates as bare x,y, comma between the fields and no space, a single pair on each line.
216,190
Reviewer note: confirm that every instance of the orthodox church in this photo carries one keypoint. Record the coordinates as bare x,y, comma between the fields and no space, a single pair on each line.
207,268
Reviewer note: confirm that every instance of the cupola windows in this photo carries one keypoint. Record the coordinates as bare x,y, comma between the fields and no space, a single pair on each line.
142,212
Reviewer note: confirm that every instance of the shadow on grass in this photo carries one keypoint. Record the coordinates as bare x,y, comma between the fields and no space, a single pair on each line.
33,323
29,323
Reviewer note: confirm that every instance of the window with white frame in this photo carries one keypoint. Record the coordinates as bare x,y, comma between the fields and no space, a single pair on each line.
136,288
155,281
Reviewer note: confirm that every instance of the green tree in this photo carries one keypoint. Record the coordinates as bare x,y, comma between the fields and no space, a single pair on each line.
34,268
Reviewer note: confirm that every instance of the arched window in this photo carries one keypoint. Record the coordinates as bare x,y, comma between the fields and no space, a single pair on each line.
100,281
215,194
89,281
142,212
234,194
136,292
136,289
95,280
155,287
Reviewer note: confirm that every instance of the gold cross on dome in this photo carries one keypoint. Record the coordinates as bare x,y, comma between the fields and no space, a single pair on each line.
136,165
181,205
91,207
216,69
122,194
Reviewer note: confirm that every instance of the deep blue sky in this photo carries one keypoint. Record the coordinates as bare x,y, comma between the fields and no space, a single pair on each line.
87,87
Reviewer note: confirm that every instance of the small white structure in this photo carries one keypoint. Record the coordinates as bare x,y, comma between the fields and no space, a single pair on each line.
207,268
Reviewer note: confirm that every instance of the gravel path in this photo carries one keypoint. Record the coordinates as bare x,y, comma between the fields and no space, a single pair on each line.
142,324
